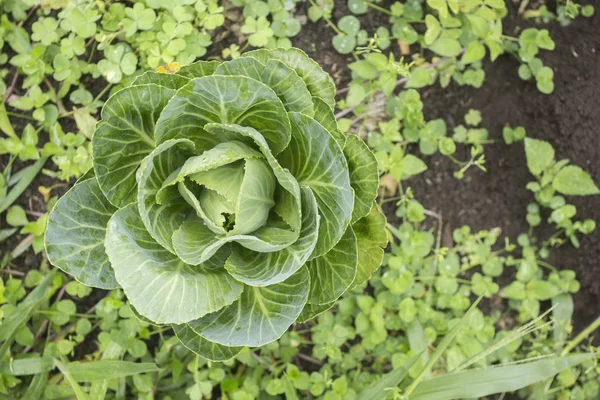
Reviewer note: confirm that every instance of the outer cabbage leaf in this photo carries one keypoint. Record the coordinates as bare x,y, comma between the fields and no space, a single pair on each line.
319,83
285,82
199,345
76,232
332,273
169,81
198,69
124,137
371,239
260,315
364,175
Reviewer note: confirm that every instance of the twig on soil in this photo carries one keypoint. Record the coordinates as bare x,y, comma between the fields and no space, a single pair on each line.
261,360
34,213
309,358
399,82
22,246
29,14
11,87
59,103
13,272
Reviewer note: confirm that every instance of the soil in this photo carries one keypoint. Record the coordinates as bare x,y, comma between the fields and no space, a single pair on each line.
568,118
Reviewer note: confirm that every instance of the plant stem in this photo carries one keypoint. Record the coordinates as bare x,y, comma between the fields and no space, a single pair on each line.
334,27
106,88
19,115
582,335
547,265
11,87
378,8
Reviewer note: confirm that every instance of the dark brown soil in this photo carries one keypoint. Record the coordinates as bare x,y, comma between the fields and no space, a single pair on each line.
568,118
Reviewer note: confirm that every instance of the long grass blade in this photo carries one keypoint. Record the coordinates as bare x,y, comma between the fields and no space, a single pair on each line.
380,389
442,346
23,183
482,382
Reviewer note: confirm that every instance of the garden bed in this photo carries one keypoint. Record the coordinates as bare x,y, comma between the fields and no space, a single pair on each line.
569,119
416,303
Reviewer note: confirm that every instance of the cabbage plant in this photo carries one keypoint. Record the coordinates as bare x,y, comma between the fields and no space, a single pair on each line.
223,201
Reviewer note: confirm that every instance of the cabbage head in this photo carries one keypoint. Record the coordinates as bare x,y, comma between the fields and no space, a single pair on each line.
224,201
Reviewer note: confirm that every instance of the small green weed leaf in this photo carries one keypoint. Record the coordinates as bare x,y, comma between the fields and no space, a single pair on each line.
349,24
44,30
419,77
358,7
542,290
259,31
118,60
524,72
539,154
364,69
562,311
479,25
475,51
5,124
16,216
433,29
543,40
410,166
544,79
344,44
572,180
446,47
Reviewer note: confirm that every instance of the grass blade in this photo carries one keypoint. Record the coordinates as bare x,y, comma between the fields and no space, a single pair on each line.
563,312
518,333
36,387
442,346
27,366
290,392
23,183
380,389
417,342
581,336
6,233
482,382
79,393
21,315
98,388
107,369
